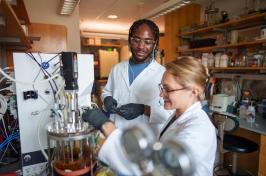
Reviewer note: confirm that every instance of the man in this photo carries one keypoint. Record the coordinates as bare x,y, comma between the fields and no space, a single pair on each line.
131,93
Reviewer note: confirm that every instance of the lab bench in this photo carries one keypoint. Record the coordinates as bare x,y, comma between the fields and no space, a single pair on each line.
255,131
259,126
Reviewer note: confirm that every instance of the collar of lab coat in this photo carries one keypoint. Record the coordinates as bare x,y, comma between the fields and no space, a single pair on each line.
184,117
151,67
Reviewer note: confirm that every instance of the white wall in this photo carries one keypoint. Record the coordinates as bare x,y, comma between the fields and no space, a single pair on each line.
45,11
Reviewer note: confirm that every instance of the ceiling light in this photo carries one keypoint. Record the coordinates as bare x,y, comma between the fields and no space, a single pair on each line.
13,2
175,7
108,27
112,16
67,6
88,34
167,7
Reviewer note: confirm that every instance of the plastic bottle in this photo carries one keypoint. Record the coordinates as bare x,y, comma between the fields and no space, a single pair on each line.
224,60
246,98
243,62
217,58
204,59
264,61
264,108
243,111
210,60
251,115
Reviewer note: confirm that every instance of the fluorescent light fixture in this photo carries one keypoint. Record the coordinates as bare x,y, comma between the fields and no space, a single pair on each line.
108,27
89,34
13,2
166,7
67,6
112,16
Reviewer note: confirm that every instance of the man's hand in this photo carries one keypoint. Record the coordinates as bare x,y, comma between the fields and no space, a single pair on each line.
131,111
110,104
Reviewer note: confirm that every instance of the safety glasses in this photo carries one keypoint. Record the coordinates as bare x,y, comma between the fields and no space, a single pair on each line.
166,91
137,40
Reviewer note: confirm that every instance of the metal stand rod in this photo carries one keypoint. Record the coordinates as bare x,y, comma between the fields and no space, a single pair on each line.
49,156
221,136
234,163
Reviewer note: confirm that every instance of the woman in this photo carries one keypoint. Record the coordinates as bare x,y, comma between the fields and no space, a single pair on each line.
182,88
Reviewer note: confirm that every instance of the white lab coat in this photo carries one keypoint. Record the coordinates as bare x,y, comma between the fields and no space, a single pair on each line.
193,128
143,90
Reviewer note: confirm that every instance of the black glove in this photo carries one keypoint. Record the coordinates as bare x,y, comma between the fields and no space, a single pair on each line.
130,111
110,104
95,117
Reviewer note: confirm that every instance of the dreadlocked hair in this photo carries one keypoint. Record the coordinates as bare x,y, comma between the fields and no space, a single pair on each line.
154,28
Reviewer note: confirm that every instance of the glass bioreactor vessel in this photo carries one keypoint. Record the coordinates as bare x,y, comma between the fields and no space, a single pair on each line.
71,142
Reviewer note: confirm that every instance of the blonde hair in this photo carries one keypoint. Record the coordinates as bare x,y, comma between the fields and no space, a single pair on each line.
188,71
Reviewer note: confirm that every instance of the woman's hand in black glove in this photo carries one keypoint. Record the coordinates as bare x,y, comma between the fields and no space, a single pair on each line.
110,104
97,119
131,111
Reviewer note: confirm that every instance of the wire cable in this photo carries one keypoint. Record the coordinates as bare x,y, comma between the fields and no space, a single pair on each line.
45,72
7,142
36,90
57,70
27,83
53,57
6,88
3,106
9,139
44,69
2,79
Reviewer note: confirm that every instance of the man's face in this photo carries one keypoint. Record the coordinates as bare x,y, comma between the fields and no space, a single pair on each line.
142,43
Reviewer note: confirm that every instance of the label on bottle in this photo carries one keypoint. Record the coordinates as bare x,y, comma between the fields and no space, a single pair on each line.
251,114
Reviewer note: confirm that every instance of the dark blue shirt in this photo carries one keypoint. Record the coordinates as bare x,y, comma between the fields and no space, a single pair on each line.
135,69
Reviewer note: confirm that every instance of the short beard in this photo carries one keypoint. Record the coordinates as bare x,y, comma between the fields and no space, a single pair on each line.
137,61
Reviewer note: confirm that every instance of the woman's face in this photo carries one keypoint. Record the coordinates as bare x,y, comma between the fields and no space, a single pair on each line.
142,43
175,96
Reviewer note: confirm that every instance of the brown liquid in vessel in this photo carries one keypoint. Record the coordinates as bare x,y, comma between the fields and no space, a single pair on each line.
80,160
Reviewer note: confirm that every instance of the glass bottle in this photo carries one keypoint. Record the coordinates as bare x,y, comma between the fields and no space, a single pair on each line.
204,59
244,61
264,61
251,114
217,58
224,60
210,60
